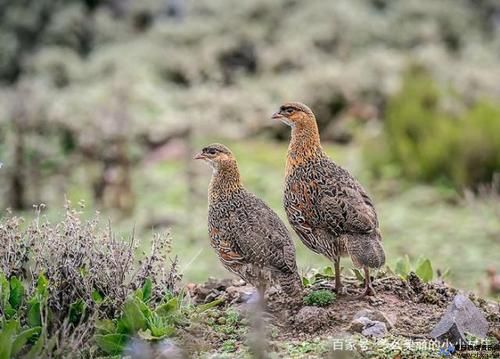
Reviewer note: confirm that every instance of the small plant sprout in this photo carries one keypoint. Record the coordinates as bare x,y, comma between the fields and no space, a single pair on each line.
319,298
422,268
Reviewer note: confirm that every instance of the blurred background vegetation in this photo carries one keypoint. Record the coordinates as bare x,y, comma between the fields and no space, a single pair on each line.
107,100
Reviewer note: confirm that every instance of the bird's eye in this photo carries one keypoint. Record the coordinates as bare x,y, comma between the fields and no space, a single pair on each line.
211,151
288,110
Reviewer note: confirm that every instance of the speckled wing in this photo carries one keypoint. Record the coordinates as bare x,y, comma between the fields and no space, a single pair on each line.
344,205
261,236
348,211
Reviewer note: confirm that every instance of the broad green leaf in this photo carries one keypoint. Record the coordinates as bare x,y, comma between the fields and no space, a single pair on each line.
162,332
112,343
34,317
122,326
9,311
305,282
403,267
41,285
147,290
328,272
23,337
419,261
157,332
424,271
7,335
97,297
76,310
105,326
144,308
167,308
133,319
16,293
138,294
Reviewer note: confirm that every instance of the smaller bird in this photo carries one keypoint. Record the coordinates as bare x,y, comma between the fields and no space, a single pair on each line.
249,238
327,207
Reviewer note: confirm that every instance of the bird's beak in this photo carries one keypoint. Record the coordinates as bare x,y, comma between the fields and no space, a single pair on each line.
199,156
277,116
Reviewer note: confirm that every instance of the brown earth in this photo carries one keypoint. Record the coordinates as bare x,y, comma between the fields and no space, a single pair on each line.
412,307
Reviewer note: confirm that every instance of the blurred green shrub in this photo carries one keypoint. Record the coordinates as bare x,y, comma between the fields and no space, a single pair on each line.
424,141
319,298
73,288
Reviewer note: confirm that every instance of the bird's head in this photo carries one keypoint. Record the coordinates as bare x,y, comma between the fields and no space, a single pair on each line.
295,114
216,155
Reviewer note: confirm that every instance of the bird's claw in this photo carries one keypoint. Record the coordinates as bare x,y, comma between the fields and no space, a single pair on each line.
369,292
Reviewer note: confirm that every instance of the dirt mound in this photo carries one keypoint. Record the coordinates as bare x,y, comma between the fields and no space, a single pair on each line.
412,306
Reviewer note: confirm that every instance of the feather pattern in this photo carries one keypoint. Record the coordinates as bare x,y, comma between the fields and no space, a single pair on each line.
248,236
332,213
327,207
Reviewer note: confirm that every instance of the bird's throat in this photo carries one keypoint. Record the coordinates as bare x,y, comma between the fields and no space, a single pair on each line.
225,180
304,144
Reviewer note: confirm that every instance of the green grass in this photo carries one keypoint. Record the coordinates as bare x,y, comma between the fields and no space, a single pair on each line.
415,219
319,298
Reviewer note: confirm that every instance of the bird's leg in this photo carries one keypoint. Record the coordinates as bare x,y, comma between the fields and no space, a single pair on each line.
369,291
339,288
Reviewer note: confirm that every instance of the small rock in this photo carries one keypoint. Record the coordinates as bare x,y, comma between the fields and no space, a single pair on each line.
232,290
202,292
375,315
358,324
212,296
224,283
237,282
310,319
375,329
368,327
460,317
240,294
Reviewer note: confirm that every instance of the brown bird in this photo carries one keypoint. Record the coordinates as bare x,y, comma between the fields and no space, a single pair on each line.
330,211
249,238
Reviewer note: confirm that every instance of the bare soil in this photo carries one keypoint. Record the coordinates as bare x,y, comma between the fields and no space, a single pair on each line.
412,307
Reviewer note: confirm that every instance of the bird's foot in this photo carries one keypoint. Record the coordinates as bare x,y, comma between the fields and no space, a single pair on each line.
369,292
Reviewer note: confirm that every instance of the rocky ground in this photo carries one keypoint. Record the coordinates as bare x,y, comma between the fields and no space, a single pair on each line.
397,323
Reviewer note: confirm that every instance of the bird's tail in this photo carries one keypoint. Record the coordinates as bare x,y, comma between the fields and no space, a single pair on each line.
366,250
